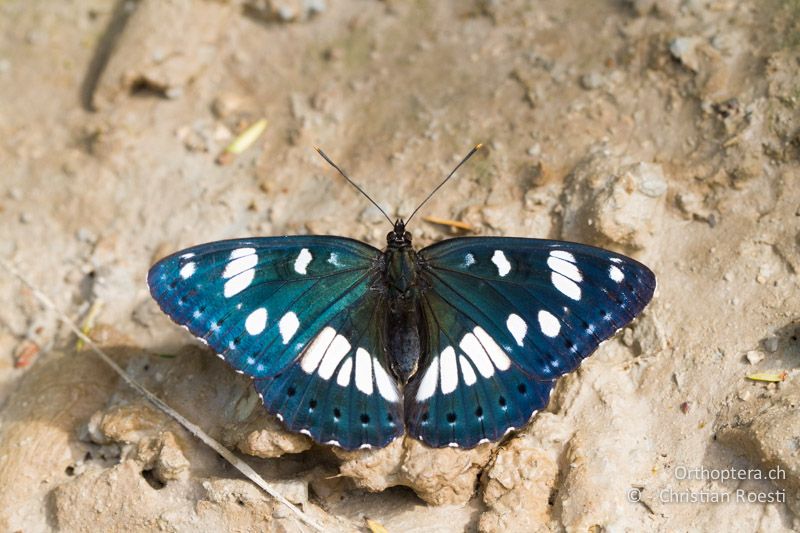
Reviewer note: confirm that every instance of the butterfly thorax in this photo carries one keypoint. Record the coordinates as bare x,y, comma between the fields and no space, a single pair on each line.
402,284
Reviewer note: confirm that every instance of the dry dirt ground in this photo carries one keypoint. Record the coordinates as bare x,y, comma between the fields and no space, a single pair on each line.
665,129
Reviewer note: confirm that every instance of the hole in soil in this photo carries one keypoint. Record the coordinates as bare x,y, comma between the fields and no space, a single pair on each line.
151,479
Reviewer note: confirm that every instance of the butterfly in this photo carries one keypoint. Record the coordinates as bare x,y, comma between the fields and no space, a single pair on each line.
456,344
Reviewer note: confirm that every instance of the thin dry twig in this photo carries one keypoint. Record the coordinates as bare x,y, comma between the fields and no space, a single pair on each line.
455,224
195,430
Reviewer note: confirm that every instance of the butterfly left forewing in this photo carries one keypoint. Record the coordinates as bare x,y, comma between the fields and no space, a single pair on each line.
258,302
540,306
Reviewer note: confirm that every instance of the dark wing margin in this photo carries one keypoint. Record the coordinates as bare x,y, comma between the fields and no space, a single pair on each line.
506,317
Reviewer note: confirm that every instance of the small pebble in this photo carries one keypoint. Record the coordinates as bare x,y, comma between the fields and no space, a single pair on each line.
315,7
173,93
535,150
754,357
592,80
86,235
685,406
770,344
25,218
627,337
744,395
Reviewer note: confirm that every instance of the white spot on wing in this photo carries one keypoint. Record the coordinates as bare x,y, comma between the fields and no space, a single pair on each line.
449,370
565,268
469,259
466,369
316,350
613,273
334,259
386,386
616,260
517,326
561,254
566,286
288,326
496,353
549,324
363,371
241,252
187,255
238,283
428,384
503,266
343,377
256,321
336,352
189,268
470,345
239,265
302,261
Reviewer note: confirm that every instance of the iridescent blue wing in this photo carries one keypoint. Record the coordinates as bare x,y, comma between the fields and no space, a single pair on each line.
504,318
301,316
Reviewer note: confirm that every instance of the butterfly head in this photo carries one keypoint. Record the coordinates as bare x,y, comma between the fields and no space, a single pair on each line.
399,237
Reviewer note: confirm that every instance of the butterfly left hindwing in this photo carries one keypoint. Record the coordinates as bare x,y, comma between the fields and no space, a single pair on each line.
299,315
504,318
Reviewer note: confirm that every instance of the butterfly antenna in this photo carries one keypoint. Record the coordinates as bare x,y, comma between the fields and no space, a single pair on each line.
470,154
351,182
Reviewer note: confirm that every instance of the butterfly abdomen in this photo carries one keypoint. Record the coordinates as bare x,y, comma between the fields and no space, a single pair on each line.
404,340
402,318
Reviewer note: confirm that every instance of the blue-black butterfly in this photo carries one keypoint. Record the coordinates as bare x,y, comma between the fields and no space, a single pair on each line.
455,344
